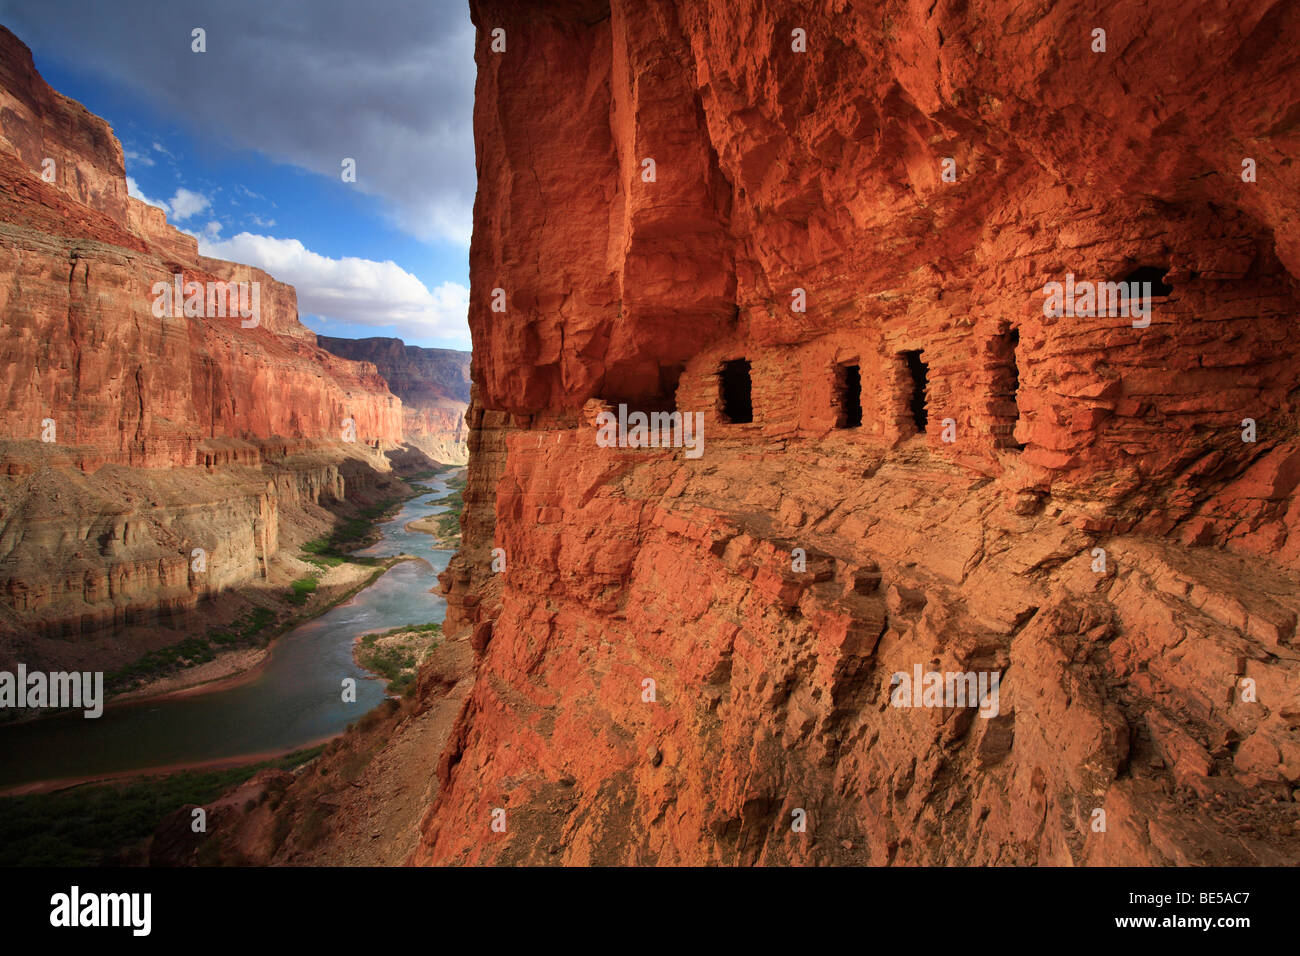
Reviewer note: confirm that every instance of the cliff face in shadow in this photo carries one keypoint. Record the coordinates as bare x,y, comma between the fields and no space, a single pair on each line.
433,385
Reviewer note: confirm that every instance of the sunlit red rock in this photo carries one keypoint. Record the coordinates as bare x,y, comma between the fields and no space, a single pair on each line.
1149,694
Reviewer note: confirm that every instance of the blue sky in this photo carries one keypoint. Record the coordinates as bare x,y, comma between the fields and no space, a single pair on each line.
243,144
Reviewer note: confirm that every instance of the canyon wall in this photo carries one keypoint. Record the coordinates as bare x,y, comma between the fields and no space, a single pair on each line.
37,123
433,385
98,567
129,434
700,660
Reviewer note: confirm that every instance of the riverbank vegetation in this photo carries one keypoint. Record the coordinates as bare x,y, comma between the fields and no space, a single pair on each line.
261,625
249,631
448,522
106,824
301,590
396,655
351,534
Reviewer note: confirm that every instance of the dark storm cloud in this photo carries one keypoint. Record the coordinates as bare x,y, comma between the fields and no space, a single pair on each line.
385,82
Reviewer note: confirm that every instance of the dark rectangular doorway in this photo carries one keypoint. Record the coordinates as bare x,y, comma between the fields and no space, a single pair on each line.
848,396
919,374
1006,389
737,399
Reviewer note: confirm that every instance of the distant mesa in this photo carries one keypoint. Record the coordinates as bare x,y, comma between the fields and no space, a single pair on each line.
433,385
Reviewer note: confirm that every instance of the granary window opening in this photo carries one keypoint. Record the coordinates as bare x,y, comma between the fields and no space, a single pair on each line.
848,396
1152,274
737,392
1013,369
918,376
1006,389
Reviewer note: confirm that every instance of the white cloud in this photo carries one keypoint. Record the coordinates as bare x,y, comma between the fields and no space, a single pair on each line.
210,232
138,158
259,221
360,291
187,203
393,89
133,190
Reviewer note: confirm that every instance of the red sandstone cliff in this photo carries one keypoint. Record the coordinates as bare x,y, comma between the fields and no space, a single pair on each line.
123,390
225,424
1161,690
38,123
433,385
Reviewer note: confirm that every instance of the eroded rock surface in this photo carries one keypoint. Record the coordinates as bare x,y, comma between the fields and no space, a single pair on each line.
1161,688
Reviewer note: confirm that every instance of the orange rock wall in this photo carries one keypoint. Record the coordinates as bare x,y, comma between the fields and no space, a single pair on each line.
38,123
822,171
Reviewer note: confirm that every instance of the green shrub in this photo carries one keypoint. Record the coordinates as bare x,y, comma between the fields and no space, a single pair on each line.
397,663
301,590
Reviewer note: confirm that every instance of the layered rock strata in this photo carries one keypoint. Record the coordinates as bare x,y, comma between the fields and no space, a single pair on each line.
129,437
433,385
975,486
